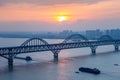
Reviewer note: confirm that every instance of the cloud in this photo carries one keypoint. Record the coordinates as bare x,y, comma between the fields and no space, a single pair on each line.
49,2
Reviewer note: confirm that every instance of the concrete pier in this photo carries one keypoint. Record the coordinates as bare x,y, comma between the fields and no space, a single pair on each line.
56,57
10,62
116,48
93,50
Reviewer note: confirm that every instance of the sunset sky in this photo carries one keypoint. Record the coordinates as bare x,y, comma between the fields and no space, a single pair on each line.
58,15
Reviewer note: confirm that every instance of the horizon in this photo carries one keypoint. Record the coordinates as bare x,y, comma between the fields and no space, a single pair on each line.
62,30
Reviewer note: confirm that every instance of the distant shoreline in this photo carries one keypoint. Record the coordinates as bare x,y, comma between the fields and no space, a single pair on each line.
31,37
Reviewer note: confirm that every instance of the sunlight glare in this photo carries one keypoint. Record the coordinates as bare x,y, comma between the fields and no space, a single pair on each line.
62,18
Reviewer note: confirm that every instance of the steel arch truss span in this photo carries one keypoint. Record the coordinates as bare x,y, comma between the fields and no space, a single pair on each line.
35,42
72,39
75,38
105,37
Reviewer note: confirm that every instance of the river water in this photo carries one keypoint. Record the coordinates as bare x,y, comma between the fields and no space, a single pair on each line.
42,66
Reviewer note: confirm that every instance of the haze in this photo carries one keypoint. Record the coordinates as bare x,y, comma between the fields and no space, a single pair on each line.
40,15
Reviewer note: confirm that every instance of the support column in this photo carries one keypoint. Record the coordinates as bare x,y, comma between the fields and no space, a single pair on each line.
116,48
93,50
55,57
10,62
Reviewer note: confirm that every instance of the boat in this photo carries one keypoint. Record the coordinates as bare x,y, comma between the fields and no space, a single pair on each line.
89,70
28,58
116,64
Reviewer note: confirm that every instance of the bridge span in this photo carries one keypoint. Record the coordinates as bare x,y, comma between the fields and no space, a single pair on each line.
38,45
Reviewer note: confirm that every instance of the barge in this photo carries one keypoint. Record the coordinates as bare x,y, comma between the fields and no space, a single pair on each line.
89,70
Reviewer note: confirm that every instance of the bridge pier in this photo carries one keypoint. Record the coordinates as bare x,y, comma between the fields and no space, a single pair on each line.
116,48
55,57
10,62
93,50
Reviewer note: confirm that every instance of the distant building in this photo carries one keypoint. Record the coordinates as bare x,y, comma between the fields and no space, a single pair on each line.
93,34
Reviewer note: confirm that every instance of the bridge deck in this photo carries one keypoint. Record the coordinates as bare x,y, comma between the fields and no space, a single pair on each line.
52,47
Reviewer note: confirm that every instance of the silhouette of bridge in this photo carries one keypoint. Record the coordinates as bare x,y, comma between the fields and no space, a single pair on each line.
73,41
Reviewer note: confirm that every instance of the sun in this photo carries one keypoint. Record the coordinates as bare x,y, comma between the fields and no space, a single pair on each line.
62,18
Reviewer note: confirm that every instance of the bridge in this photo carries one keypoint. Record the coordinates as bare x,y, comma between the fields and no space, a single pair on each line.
39,45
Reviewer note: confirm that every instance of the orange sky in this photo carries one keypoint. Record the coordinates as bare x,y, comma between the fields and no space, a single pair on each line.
47,13
42,15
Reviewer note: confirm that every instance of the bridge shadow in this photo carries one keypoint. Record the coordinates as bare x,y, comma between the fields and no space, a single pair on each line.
67,59
61,60
106,53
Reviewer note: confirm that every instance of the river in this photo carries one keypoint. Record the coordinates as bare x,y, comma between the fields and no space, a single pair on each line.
42,66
